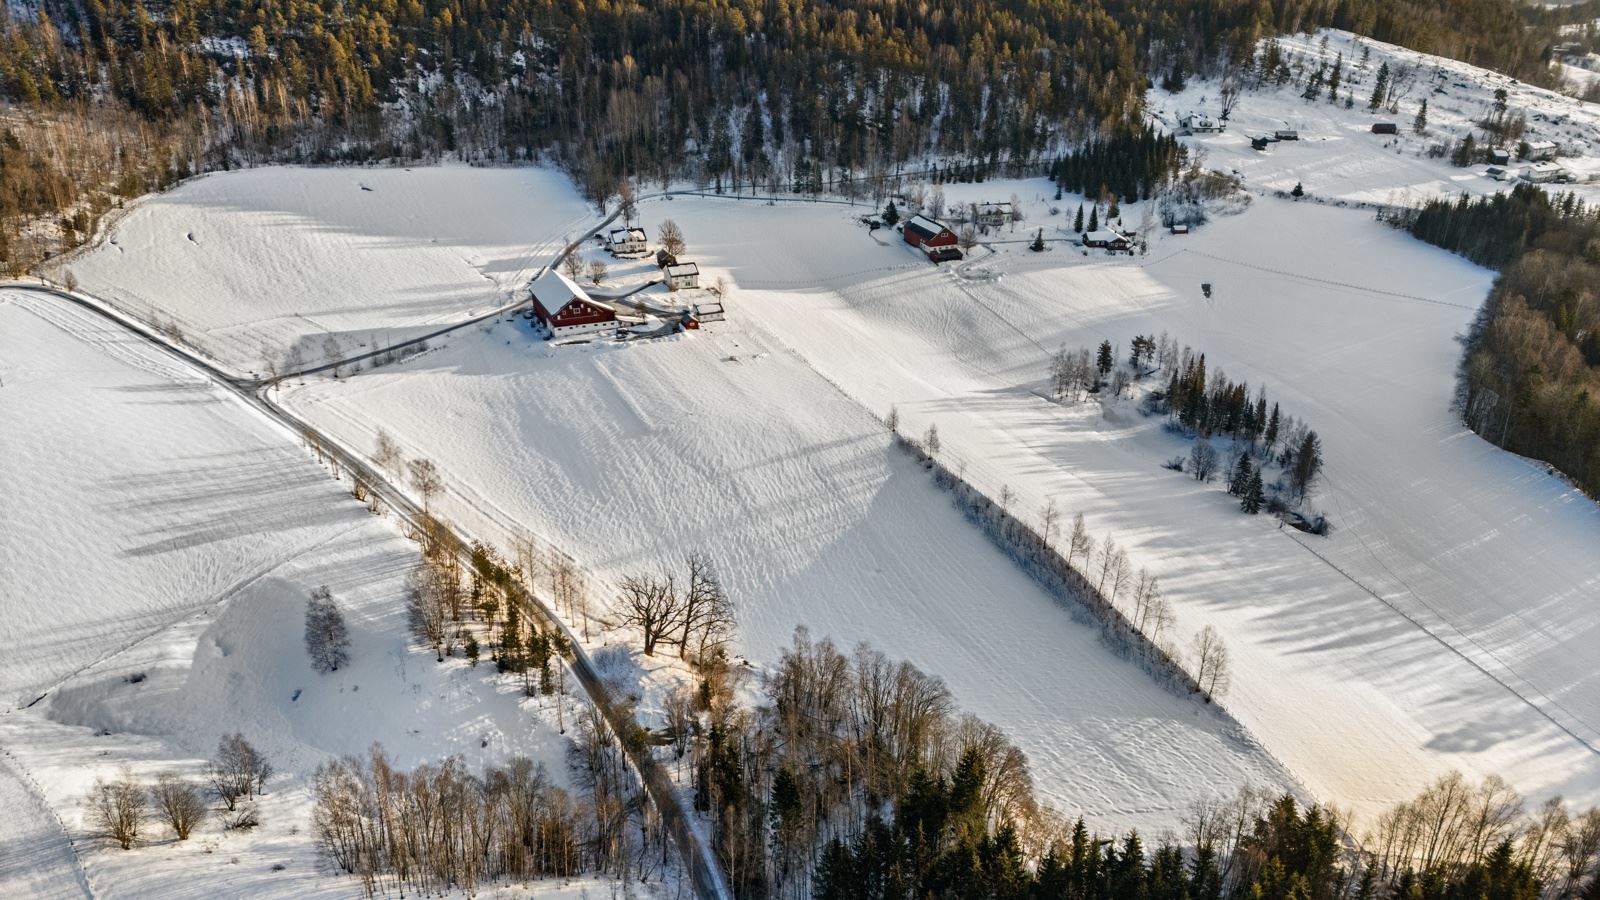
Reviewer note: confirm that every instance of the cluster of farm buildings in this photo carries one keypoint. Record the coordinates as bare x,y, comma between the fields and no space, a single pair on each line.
564,308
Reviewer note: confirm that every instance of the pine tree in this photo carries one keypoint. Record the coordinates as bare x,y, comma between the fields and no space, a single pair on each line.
327,639
1077,224
891,215
473,650
1094,218
1105,359
1380,91
1270,438
1334,79
1038,242
1420,123
1299,191
1307,463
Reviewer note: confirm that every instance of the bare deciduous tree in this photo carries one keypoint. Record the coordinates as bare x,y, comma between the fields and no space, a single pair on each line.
177,802
327,639
654,605
426,480
1079,542
387,456
237,771
1211,669
116,809
671,237
708,614
572,264
1049,516
597,271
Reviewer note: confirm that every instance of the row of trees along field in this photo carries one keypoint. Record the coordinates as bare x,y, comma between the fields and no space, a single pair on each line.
732,92
1529,379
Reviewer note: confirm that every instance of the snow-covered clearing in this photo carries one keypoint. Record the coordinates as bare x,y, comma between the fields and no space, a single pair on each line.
1477,651
1339,158
356,254
161,538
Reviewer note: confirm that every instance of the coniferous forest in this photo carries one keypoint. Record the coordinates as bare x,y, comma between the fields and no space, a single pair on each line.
108,99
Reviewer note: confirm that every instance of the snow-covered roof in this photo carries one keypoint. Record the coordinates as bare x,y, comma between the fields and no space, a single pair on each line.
682,269
1104,235
987,209
554,290
925,226
624,235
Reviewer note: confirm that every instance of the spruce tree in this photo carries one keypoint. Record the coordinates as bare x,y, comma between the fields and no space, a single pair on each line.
1307,463
1240,482
1254,494
1094,218
1420,123
891,215
1380,91
1077,224
1106,358
1038,242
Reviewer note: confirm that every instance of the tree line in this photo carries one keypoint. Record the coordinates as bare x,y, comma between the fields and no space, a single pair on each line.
1529,377
731,93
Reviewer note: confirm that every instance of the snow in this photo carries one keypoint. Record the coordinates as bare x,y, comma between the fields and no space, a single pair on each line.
632,455
361,254
1447,623
1339,158
161,540
1466,637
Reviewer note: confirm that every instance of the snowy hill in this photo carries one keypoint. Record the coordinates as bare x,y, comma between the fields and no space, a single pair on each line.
1338,156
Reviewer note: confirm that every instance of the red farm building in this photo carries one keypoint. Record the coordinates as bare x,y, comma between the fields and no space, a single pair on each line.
563,307
933,238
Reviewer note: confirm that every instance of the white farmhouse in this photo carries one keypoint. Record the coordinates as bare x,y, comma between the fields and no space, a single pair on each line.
683,276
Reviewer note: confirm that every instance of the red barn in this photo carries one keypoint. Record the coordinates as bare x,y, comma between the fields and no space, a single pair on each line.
561,306
932,237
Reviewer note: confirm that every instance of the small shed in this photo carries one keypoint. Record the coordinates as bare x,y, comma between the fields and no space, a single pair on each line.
1499,156
1260,143
1385,128
683,276
1286,134
1180,229
664,259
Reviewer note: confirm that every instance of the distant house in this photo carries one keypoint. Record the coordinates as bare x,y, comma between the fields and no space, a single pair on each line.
1199,123
1286,134
1499,156
682,276
1180,229
994,215
627,241
1540,151
1260,143
1385,128
1106,239
1569,48
932,238
1544,173
563,307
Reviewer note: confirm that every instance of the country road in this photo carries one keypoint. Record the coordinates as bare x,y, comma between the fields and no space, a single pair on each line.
698,859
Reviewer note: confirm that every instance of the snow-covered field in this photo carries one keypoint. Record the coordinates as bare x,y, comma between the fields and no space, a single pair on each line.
1449,621
160,540
631,456
1339,158
356,254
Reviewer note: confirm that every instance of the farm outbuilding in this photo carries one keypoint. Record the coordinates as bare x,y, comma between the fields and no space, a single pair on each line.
1199,123
564,308
1385,128
932,238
